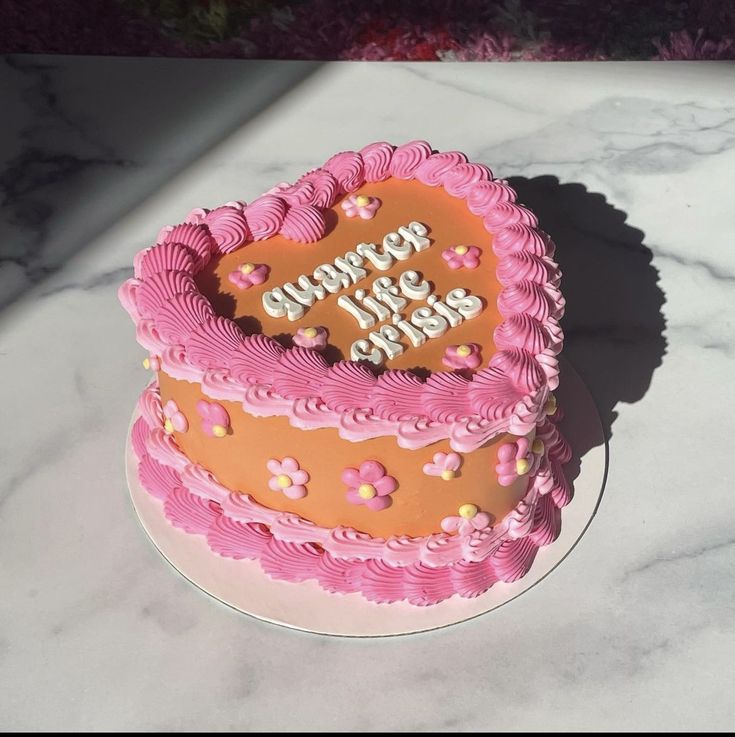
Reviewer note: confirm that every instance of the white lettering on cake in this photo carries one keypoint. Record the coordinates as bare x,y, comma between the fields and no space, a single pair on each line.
386,339
364,319
381,312
412,286
381,261
416,336
416,234
306,292
466,305
452,316
395,246
386,291
387,300
290,299
361,350
332,279
350,264
277,304
427,320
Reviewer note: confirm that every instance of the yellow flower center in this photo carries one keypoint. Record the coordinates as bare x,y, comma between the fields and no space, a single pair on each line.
361,200
522,466
219,431
247,268
146,363
538,446
468,511
550,406
448,475
367,491
283,481
464,351
310,332
461,250
168,426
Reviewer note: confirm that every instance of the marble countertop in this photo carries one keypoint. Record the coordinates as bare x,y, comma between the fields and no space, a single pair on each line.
629,166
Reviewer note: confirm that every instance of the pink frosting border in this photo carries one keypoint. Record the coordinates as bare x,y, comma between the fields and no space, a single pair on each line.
422,570
176,322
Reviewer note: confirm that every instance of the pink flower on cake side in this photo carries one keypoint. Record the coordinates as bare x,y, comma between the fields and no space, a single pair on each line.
215,420
287,477
462,356
369,485
458,257
311,338
152,362
517,459
360,205
445,465
249,275
175,419
468,519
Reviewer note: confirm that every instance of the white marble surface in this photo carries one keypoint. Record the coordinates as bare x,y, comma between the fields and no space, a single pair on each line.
626,162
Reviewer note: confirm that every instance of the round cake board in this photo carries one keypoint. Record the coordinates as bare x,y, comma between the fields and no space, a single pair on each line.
243,585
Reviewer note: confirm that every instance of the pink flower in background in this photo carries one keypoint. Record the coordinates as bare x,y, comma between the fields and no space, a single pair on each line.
288,477
518,459
360,205
175,419
215,420
311,338
458,257
445,465
369,485
468,519
462,356
249,275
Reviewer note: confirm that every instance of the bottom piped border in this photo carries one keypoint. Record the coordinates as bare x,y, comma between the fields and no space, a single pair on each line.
186,507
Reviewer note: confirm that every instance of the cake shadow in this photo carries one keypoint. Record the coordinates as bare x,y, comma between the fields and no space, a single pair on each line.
613,323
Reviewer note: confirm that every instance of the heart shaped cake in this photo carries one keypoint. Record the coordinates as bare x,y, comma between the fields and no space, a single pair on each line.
354,377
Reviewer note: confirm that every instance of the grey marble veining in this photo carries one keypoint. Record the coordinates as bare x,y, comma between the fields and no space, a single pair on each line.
628,165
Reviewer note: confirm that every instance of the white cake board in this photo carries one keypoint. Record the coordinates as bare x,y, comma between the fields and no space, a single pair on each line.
242,584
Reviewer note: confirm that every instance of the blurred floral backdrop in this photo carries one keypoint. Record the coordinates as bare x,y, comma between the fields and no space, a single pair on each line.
419,30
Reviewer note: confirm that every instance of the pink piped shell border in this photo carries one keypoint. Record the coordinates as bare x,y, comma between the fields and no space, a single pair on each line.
177,323
422,570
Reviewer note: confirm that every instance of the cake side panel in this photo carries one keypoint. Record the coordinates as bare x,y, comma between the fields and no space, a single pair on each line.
419,503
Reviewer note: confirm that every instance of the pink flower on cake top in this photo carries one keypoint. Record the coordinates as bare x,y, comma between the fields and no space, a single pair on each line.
215,420
175,419
445,465
315,338
468,519
369,485
288,477
518,459
462,257
360,205
249,275
462,356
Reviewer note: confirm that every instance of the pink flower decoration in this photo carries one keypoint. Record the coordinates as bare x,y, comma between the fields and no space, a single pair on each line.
458,257
152,362
360,205
369,485
175,419
311,338
469,520
517,459
287,477
445,465
215,420
462,356
249,275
